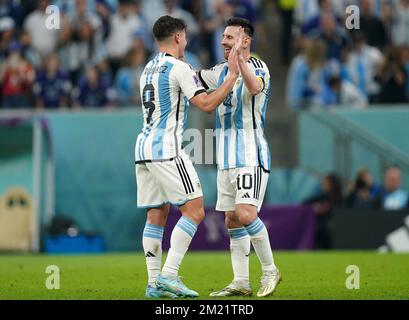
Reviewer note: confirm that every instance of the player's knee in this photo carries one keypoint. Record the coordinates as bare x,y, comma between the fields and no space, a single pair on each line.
232,222
195,215
246,217
194,210
200,215
157,216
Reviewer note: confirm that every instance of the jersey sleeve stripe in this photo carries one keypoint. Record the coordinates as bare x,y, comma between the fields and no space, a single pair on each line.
199,92
202,80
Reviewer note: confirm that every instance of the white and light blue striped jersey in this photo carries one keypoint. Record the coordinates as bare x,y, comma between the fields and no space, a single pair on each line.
167,84
240,139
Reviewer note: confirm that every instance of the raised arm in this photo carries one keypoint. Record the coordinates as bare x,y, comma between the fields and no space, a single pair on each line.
253,84
209,102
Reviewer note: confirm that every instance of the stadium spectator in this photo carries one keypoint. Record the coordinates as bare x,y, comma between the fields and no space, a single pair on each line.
333,37
64,49
306,10
173,9
152,10
92,90
371,26
245,9
7,35
123,24
393,77
43,40
52,86
104,70
104,10
400,24
363,192
313,25
329,197
85,44
16,10
341,92
363,64
81,14
27,50
392,196
217,12
306,77
127,78
17,77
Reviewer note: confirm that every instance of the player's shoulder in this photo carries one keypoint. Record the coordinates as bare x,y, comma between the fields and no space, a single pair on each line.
180,64
217,68
257,63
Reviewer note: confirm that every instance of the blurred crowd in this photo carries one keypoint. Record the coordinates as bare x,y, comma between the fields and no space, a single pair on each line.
334,65
96,57
361,193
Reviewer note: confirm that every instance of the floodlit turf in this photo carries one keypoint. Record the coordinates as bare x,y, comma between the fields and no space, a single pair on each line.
313,275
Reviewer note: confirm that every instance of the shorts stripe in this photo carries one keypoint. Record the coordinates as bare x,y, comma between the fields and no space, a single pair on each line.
254,189
260,176
187,174
257,182
182,177
187,183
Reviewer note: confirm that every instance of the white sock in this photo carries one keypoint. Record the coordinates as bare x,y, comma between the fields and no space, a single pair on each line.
152,246
240,252
261,244
180,240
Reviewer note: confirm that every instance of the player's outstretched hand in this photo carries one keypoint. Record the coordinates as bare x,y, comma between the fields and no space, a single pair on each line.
240,36
233,62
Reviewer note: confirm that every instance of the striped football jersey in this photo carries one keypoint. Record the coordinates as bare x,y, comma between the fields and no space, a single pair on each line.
167,84
240,140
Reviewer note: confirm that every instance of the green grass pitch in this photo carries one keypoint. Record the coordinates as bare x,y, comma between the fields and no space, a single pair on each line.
306,275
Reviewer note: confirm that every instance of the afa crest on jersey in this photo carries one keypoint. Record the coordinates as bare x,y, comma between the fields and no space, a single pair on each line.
260,73
197,81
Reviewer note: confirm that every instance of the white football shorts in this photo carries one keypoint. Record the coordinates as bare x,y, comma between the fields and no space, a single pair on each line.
172,181
246,185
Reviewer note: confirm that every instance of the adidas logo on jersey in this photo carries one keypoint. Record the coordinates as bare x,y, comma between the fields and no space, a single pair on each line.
246,196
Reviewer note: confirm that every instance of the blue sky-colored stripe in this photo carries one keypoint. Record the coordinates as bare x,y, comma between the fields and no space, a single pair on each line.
238,123
165,105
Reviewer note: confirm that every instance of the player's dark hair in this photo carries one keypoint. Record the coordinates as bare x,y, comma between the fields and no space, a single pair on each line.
166,26
241,22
